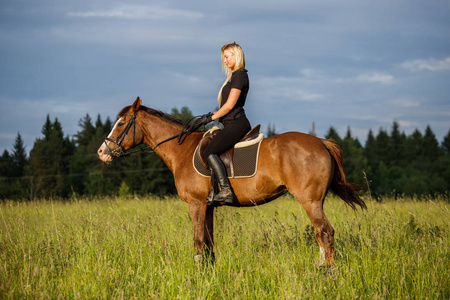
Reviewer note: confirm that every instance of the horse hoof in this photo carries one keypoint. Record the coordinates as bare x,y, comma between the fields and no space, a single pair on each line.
198,259
328,270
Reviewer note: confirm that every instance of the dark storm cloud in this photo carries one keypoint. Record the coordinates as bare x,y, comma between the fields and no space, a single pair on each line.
347,63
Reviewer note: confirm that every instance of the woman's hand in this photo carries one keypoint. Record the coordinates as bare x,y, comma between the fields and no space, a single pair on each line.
202,120
205,119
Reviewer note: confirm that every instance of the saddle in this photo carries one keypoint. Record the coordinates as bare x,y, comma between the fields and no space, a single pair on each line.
252,137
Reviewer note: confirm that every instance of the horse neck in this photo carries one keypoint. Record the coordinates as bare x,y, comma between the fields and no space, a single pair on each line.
157,130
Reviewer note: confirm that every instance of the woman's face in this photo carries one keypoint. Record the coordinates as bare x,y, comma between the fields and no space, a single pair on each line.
229,59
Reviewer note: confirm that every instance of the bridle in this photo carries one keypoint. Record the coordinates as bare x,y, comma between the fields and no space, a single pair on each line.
119,151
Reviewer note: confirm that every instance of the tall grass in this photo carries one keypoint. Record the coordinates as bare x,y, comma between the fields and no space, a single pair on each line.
143,248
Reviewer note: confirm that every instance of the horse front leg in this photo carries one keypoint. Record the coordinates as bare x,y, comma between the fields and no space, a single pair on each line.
209,234
202,222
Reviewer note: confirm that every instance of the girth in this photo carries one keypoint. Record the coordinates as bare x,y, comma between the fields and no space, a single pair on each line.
227,156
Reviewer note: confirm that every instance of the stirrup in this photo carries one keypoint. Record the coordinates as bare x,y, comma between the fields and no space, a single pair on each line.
210,198
228,198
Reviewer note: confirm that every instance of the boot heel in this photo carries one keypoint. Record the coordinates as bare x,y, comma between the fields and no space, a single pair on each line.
226,194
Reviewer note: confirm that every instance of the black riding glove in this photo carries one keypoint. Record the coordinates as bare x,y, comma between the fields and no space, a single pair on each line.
202,120
205,119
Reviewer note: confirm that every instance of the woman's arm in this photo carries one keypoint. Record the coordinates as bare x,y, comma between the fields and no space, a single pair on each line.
229,105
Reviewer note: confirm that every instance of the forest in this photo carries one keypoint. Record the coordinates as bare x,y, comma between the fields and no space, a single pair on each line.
62,167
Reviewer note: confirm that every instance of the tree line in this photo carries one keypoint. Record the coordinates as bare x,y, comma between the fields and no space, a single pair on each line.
62,167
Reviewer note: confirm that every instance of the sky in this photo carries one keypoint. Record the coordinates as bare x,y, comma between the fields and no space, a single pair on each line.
348,64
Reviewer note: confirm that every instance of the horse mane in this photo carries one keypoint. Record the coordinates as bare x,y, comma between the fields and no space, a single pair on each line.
154,112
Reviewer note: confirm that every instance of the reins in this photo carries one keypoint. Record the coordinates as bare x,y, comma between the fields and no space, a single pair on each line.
185,132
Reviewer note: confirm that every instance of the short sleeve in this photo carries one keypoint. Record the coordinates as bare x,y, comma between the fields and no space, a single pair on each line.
239,80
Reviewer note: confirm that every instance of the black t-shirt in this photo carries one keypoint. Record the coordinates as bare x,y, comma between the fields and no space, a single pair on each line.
239,80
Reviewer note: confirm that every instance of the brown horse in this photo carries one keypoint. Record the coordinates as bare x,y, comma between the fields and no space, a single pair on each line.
302,164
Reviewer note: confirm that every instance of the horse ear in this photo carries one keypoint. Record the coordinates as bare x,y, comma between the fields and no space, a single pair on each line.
137,103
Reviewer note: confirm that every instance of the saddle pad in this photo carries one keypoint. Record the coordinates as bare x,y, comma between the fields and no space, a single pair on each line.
245,161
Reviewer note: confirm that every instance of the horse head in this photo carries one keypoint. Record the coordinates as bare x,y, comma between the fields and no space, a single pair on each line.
124,135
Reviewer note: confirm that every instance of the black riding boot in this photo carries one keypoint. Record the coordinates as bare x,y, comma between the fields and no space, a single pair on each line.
226,194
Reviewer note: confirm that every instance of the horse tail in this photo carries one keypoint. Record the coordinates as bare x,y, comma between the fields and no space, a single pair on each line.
347,191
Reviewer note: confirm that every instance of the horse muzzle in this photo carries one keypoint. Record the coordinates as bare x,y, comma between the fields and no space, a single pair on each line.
104,153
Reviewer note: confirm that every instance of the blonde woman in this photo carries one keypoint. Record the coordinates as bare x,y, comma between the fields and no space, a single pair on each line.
231,114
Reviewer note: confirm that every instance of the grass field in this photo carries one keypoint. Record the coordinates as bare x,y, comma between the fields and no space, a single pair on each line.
143,248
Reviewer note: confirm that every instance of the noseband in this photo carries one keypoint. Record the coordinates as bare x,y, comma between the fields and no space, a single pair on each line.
119,150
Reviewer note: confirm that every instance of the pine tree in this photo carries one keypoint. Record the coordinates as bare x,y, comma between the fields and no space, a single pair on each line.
431,163
47,128
431,149
98,122
369,152
446,144
271,131
49,160
382,142
414,148
104,179
19,157
107,126
396,146
84,137
333,134
6,164
354,160
6,169
85,164
184,114
379,170
443,164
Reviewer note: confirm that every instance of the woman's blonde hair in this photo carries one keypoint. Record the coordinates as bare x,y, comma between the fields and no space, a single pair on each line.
238,53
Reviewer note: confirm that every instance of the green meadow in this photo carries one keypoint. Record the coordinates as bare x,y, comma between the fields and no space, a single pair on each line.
117,248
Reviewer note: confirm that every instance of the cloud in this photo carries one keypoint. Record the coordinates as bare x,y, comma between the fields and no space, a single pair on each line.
376,78
138,12
305,96
364,117
293,94
312,74
408,124
7,135
403,102
431,64
283,88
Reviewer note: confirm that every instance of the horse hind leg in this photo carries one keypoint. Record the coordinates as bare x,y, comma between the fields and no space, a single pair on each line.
325,239
324,232
324,235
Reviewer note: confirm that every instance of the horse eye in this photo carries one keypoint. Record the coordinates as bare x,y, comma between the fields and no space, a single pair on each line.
120,124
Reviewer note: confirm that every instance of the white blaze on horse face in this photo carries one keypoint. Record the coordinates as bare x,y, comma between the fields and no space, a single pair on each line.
115,126
103,150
